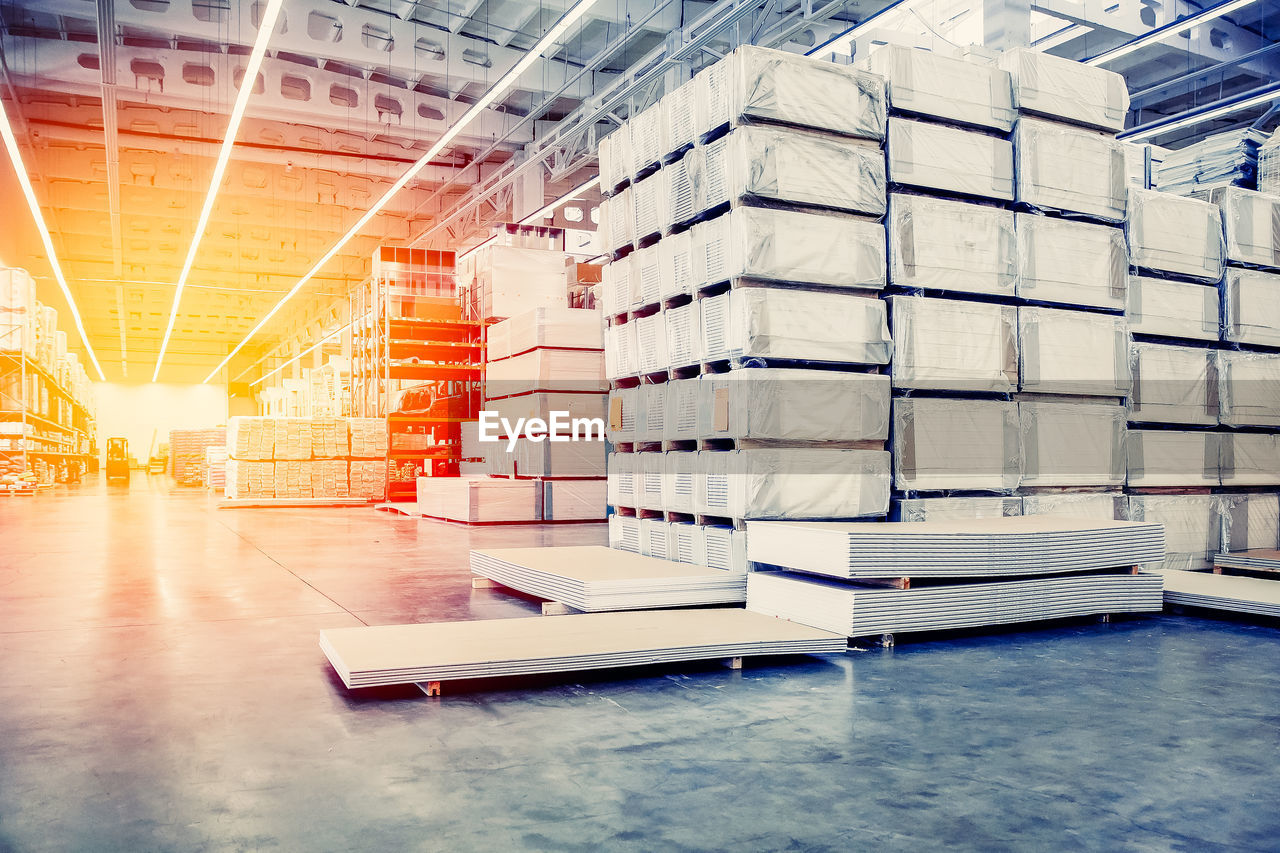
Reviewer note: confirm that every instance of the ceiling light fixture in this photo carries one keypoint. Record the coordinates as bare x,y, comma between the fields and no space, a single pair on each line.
494,93
265,28
553,206
1170,29
15,156
1156,128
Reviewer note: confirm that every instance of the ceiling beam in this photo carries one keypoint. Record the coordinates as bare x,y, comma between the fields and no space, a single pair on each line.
111,141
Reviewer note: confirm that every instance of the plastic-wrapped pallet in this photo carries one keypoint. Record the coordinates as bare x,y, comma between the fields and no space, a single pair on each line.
478,500
329,478
1251,221
652,423
1111,507
755,84
542,404
943,444
1269,165
498,460
573,500
1249,389
623,406
1192,527
330,439
680,117
789,246
957,246
1173,385
624,533
615,287
648,208
684,343
1069,169
563,458
936,157
510,280
1252,302
250,479
653,538
617,221
644,275
679,480
17,310
954,509
293,479
680,202
1250,521
942,87
772,404
1250,459
651,343
1071,263
622,479
768,323
675,265
1172,234
725,548
686,543
565,328
620,358
1065,90
792,483
648,480
1072,444
368,438
644,129
251,439
680,410
293,439
1172,309
1073,352
546,370
1171,458
945,344
773,164
368,479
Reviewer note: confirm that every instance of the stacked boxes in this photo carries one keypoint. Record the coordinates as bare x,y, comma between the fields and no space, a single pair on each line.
296,458
187,448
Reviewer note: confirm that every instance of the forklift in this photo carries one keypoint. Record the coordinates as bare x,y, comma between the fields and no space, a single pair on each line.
117,459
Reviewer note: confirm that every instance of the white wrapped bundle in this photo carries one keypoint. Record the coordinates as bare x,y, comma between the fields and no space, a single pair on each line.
757,322
293,479
679,480
622,479
789,246
725,548
945,344
1249,389
644,130
936,157
565,328
1163,458
1252,302
648,207
293,439
1073,352
644,276
617,221
771,404
559,458
1172,234
329,478
680,117
1251,521
936,86
1173,385
478,500
1065,90
249,479
623,405
542,404
680,411
624,533
368,480
684,344
1069,169
1250,459
1252,224
251,438
17,311
942,444
511,280
651,343
793,483
615,159
368,438
573,500
547,370
759,84
1172,309
952,509
1192,527
686,543
615,287
620,356
1071,263
951,245
676,265
652,411
1110,507
1072,444
648,482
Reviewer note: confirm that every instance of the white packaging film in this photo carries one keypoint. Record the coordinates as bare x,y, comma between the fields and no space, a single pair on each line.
1192,527
936,157
942,444
573,500
770,323
949,509
942,87
1251,301
1072,444
951,245
793,483
1071,263
1251,222
1073,352
1248,388
1162,458
1068,169
1172,234
1250,459
1173,309
1250,521
1065,90
1173,385
770,404
570,328
944,344
1108,507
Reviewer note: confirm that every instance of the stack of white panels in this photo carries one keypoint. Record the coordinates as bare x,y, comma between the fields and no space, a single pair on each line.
293,479
617,221
595,578
644,129
648,200
1103,506
1073,352
1261,559
1173,385
622,477
330,438
653,538
769,404
1260,596
679,481
478,500
1192,527
624,533
574,500
250,479
511,280
860,612
615,287
1072,444
368,438
966,548
293,438
725,548
676,264
680,196
541,405
611,173
951,245
564,328
1071,263
1072,170
679,117
651,343
1172,234
792,483
936,157
789,246
547,370
687,543
950,509
329,478
757,84
367,479
1251,521
683,338
439,651
1252,301
946,344
768,323
1249,389
560,458
937,86
680,410
1252,224
649,476
1172,309
1065,90
1250,459
942,444
251,439
644,276
1164,458
620,358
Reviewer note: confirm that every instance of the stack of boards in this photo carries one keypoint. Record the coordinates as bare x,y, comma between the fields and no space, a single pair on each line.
1222,592
593,578
1258,560
443,651
979,571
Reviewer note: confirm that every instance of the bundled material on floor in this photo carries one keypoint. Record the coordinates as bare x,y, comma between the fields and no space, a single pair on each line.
1164,458
1259,596
940,509
1073,352
1192,527
1065,90
1251,300
1108,506
1222,160
1251,521
949,160
791,482
1071,263
859,612
1251,222
941,87
957,246
1173,385
988,547
1248,388
953,345
794,325
1072,444
1260,559
1172,309
187,449
1175,235
594,578
441,651
1071,170
478,500
1250,459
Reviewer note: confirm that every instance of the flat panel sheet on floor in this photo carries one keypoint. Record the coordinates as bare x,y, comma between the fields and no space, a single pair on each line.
1260,596
1260,559
442,651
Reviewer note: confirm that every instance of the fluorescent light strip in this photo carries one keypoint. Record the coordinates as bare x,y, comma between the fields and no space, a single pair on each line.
496,91
264,377
1208,115
266,27
846,39
552,207
1174,28
15,156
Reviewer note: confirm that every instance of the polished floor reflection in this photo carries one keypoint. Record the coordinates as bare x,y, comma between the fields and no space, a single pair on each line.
162,690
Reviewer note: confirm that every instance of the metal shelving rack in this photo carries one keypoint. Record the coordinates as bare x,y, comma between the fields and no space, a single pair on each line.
65,443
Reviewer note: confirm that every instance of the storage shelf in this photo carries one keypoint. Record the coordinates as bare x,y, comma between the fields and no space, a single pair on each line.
39,370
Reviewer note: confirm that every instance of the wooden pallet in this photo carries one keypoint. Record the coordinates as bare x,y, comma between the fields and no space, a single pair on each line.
277,503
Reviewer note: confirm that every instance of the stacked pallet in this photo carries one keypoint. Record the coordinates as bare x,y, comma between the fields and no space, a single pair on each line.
187,449
291,459
215,468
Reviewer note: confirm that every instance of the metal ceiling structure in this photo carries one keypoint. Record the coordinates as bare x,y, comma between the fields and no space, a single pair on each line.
120,107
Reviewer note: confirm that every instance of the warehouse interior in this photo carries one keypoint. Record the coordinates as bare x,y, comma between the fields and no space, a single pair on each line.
639,424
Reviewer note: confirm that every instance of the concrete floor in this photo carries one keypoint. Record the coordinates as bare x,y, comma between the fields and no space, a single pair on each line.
162,690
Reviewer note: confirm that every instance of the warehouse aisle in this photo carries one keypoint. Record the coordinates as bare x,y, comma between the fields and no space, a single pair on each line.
162,689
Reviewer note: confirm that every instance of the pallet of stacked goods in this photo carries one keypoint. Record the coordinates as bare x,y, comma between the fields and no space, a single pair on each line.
215,468
1223,160
367,467
1269,165
187,449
